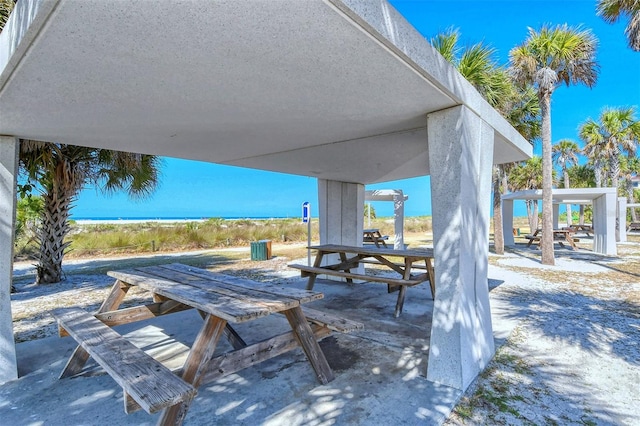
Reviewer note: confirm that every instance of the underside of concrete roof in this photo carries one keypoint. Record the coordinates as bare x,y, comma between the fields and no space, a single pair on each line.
334,89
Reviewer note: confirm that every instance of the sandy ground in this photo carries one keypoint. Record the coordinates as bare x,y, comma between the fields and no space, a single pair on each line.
568,336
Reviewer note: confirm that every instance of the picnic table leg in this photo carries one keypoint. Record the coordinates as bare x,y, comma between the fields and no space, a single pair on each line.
432,277
403,288
199,356
80,356
307,340
230,333
400,302
343,259
316,264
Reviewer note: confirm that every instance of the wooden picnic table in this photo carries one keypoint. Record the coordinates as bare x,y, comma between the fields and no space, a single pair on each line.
587,229
559,236
350,257
373,236
221,300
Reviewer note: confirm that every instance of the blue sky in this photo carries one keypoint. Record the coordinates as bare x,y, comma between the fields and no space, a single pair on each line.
194,189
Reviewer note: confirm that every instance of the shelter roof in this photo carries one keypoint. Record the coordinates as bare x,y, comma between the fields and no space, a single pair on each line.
335,89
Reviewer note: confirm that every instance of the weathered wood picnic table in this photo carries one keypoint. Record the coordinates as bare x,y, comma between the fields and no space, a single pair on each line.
373,236
350,257
221,300
559,236
581,228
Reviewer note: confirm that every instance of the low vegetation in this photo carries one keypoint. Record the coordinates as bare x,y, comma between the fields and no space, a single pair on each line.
116,239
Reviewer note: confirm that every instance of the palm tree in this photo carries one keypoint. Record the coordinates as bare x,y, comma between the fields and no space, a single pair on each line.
524,176
612,10
546,60
6,6
59,172
564,153
520,107
630,169
616,132
582,176
593,151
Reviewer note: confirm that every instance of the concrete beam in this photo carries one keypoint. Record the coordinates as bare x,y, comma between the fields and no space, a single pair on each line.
8,172
461,151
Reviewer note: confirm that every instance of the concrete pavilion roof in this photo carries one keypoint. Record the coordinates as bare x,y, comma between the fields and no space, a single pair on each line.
562,195
334,89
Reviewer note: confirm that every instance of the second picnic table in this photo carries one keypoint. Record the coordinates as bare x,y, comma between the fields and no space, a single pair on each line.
350,257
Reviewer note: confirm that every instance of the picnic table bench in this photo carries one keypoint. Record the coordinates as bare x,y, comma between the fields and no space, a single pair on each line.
373,236
221,300
351,257
587,229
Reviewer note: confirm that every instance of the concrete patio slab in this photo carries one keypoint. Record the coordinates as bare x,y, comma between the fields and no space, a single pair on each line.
380,372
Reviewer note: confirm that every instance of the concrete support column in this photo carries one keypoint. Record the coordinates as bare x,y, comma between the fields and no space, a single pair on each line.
460,160
556,216
604,224
398,220
621,221
341,213
507,223
8,172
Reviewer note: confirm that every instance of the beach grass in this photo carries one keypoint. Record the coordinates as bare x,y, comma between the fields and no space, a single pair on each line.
108,239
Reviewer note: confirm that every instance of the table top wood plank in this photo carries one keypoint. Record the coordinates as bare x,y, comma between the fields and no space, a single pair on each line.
413,253
273,302
242,284
229,308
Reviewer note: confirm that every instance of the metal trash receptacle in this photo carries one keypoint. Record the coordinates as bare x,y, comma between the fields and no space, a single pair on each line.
261,250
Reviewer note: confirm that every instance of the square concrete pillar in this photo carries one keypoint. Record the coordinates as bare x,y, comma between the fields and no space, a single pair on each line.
621,220
8,173
341,214
460,159
604,224
398,220
556,216
507,223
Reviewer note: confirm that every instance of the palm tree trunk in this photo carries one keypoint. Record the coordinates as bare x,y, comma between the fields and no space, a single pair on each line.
597,170
581,219
631,198
566,185
615,176
548,257
51,235
498,236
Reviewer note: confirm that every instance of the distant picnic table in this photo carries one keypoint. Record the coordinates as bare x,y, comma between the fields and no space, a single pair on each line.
373,236
559,235
350,257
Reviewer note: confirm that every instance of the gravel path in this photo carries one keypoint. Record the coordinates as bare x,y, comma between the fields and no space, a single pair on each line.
573,357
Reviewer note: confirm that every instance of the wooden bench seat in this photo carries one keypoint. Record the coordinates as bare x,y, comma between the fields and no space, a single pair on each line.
377,262
306,270
150,384
332,322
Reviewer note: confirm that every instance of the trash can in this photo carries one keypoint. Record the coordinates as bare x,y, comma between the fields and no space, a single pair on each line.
261,250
